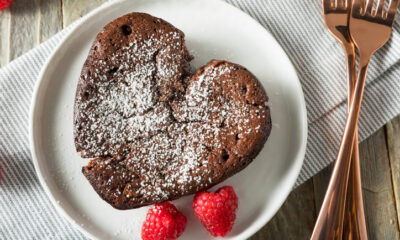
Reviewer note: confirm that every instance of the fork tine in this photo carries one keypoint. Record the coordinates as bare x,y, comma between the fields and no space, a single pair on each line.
327,4
379,10
357,2
370,4
363,3
336,3
340,3
357,6
392,10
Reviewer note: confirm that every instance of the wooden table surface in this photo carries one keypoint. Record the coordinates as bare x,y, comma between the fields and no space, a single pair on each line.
29,22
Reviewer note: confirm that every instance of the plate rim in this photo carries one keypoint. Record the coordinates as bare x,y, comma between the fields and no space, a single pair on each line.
293,174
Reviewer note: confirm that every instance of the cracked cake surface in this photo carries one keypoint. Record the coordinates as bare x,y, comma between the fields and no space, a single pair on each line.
154,131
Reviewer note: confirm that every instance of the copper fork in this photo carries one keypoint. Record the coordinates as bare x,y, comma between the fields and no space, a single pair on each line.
336,16
370,29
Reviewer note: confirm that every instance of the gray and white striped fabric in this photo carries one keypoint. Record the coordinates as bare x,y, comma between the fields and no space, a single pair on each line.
26,212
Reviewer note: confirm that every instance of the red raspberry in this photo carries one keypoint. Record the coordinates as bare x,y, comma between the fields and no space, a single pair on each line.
163,222
4,4
216,210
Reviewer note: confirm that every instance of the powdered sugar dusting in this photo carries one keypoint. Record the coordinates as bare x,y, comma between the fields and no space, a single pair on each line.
165,148
126,107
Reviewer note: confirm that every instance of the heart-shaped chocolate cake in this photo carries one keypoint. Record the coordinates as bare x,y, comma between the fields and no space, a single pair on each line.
155,131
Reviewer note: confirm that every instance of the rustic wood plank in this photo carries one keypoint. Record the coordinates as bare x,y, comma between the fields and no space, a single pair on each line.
74,9
380,210
321,181
24,26
5,21
50,18
393,137
295,220
378,195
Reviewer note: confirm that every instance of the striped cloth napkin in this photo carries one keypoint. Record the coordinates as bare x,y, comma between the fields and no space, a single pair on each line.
26,212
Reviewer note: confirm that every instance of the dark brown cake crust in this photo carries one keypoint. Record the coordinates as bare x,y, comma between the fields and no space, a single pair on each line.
157,133
134,46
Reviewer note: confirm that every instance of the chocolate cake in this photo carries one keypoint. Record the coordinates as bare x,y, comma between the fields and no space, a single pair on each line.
155,131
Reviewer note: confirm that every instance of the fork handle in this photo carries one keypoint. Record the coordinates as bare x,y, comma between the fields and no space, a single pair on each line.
330,219
354,227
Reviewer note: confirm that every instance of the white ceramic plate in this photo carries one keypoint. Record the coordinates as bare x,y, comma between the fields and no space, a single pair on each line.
213,29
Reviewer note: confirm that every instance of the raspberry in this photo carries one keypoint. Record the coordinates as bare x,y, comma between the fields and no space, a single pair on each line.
4,4
216,210
163,222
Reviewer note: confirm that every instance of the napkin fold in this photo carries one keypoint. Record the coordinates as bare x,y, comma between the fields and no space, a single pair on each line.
25,210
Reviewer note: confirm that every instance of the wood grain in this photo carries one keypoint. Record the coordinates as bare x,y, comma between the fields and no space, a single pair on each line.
295,220
51,20
74,9
377,187
24,34
378,195
5,22
321,181
393,137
